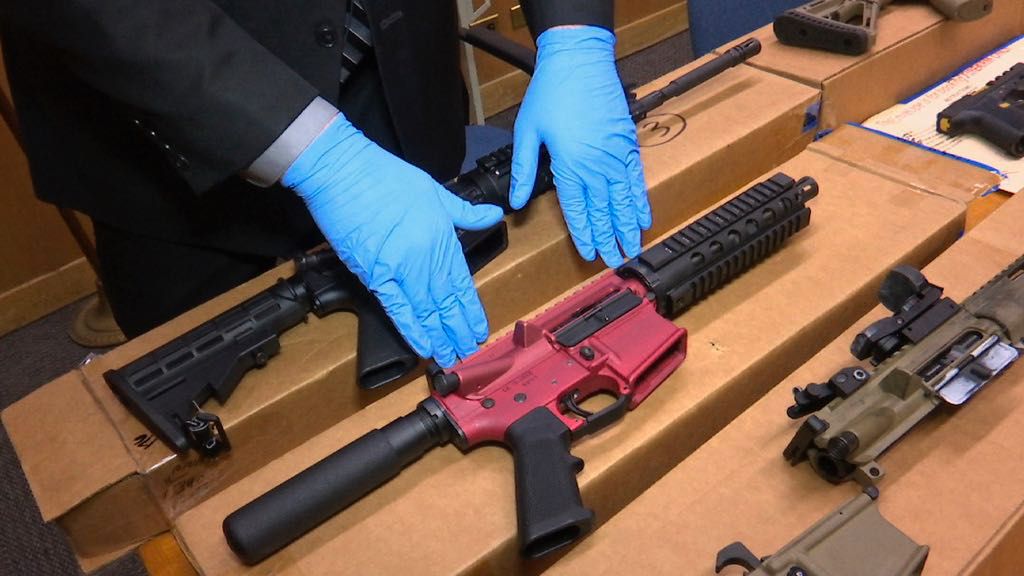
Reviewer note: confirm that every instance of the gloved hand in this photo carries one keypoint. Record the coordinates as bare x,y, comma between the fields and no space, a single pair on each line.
394,227
576,107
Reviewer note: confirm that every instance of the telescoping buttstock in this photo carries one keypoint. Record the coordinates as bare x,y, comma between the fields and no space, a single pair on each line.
165,388
850,26
528,389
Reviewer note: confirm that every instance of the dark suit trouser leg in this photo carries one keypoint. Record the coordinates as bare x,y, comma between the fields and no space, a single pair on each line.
150,281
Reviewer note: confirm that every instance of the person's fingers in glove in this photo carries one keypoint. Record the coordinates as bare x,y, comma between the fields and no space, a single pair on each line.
575,106
572,198
460,281
471,305
638,188
430,319
401,312
599,212
466,215
624,217
454,321
394,227
525,157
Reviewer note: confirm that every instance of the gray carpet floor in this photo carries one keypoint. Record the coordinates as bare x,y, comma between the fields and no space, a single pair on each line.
35,354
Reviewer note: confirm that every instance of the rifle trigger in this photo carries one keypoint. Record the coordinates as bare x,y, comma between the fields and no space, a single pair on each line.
595,421
206,433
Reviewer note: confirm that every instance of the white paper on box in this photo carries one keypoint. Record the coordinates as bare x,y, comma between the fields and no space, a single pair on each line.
914,120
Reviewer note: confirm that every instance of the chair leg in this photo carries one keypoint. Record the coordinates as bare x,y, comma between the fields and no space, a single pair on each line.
93,325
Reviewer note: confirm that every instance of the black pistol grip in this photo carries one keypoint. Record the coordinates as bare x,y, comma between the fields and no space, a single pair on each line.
382,354
1006,136
290,510
550,510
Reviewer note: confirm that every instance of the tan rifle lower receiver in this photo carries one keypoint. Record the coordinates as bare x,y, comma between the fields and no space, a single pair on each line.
854,540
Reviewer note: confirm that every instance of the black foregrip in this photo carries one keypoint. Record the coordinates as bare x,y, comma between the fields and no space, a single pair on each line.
382,355
697,260
162,388
279,517
548,503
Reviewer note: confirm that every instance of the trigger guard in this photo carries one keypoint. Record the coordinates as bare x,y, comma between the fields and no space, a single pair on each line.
596,421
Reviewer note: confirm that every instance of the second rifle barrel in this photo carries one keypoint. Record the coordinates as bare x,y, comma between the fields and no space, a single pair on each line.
728,59
286,512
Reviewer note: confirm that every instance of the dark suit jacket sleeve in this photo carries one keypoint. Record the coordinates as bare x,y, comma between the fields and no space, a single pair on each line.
206,92
544,14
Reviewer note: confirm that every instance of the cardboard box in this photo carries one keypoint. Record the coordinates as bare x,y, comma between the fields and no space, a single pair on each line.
94,471
915,48
955,482
454,513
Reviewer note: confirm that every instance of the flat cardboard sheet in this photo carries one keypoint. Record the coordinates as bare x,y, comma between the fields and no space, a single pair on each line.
697,149
955,482
455,513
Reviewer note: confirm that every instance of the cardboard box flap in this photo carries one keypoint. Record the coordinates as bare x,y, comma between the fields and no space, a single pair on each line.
458,509
963,464
915,166
1005,220
64,418
896,23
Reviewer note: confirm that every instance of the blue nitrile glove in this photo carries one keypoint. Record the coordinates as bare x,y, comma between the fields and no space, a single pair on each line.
576,107
394,227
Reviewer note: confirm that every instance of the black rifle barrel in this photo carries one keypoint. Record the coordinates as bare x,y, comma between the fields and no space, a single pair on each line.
282,515
730,58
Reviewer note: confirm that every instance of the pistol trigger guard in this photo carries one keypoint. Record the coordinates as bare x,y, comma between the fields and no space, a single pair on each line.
595,421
